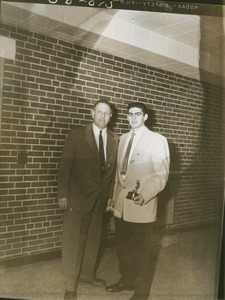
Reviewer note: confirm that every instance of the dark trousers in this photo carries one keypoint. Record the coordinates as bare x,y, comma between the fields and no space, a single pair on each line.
81,239
134,250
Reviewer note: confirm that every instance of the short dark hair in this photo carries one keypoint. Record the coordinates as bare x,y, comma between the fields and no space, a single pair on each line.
140,105
105,102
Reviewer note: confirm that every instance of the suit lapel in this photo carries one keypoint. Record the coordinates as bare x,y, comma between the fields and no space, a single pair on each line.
122,143
121,148
90,138
137,152
110,144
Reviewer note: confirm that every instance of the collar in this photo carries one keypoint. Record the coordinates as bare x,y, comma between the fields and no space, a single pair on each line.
138,131
97,130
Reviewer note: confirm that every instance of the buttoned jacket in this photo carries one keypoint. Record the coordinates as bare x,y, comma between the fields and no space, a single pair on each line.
79,177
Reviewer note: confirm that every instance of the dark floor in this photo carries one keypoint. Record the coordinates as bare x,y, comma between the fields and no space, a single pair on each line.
186,270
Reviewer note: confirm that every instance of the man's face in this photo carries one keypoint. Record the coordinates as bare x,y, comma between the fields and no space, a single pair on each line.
101,115
136,117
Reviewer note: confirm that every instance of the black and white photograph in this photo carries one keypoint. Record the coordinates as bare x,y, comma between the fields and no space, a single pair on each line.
112,149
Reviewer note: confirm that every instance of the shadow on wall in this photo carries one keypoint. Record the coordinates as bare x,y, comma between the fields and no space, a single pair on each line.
202,163
166,198
114,118
212,131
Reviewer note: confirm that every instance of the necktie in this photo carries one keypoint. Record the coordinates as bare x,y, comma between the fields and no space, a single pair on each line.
127,154
101,151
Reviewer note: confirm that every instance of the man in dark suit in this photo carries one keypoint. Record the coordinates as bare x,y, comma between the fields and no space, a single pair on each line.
85,183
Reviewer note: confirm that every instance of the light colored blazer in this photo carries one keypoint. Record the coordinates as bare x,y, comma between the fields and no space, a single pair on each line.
149,164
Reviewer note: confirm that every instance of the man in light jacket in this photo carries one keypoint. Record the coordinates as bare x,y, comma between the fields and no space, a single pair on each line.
143,172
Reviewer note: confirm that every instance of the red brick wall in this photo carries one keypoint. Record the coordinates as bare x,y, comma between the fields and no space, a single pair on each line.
50,87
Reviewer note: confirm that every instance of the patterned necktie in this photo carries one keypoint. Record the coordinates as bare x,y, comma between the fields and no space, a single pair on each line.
101,151
127,154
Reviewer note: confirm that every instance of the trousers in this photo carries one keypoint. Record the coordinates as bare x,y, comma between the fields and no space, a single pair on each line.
134,246
81,239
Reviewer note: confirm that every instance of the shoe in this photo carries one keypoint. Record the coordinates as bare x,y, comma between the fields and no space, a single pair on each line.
118,287
70,295
95,282
139,297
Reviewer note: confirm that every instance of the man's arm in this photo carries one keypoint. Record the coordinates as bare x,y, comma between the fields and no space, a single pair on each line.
65,169
161,163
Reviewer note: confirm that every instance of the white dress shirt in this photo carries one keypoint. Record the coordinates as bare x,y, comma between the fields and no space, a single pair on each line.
138,132
104,137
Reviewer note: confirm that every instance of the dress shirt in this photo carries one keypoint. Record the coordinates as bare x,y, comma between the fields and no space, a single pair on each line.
138,132
104,137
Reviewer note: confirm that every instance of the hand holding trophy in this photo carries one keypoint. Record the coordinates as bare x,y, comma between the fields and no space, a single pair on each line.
132,194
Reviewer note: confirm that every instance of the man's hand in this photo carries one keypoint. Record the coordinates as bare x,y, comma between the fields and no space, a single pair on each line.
109,205
139,200
63,203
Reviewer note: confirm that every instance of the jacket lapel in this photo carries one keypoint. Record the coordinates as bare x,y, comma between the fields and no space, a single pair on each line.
121,148
110,144
122,142
136,153
90,138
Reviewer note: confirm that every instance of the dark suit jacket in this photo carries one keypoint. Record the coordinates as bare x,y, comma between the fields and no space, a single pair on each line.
79,177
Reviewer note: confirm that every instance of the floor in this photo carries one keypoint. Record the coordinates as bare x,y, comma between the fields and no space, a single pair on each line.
186,269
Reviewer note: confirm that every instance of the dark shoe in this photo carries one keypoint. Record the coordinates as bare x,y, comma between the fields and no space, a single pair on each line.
70,295
118,287
139,297
95,282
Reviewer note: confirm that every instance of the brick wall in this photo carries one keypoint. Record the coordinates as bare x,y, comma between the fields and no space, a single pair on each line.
50,87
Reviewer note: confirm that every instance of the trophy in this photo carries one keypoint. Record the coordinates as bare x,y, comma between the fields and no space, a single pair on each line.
133,194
